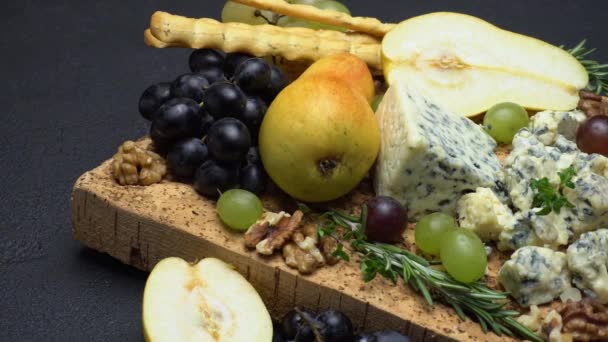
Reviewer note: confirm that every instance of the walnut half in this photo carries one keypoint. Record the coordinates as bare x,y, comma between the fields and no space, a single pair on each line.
133,165
273,231
593,104
586,320
303,253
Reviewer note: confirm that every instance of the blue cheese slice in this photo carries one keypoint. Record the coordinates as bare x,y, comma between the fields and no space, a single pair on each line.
430,157
535,275
588,263
483,213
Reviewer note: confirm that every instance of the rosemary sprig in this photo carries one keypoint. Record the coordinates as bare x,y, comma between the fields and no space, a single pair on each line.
394,263
598,73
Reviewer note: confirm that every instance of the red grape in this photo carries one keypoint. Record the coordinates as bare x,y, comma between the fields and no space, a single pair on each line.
592,135
386,219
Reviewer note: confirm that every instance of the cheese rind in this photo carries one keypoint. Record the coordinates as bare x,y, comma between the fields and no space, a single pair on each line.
588,263
535,275
430,157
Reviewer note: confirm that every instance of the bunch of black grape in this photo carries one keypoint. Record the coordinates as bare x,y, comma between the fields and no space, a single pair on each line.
207,122
304,325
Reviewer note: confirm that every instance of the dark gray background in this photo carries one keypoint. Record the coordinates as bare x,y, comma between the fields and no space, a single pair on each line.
71,75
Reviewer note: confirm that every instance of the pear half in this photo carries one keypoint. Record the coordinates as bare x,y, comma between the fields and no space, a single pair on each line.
209,301
468,65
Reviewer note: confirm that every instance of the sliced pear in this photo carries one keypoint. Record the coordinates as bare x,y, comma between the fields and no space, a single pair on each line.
209,301
469,65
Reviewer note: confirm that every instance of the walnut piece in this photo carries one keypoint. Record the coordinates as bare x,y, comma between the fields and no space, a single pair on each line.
133,165
303,253
550,325
593,104
586,320
328,246
272,232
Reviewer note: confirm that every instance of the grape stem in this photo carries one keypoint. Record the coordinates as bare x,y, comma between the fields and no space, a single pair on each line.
486,305
271,21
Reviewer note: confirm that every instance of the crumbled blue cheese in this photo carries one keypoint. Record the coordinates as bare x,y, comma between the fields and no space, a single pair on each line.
430,157
520,235
588,263
547,125
531,159
483,213
535,275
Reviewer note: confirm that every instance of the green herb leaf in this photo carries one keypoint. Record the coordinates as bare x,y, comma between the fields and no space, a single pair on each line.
598,73
304,208
548,198
339,253
566,176
393,263
369,268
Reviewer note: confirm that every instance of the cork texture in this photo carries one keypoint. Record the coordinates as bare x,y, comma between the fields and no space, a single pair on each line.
140,225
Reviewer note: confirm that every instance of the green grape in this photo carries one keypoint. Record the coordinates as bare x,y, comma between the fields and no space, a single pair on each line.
321,4
235,12
333,6
293,22
503,120
430,229
239,209
376,102
463,255
304,2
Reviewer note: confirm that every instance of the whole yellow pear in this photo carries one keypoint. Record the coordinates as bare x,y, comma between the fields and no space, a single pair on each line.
348,68
319,138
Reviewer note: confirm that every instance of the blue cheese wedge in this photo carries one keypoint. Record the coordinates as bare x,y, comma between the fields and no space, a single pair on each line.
535,275
483,213
588,263
430,157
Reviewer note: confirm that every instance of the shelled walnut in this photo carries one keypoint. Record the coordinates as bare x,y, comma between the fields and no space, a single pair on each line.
586,320
133,165
273,231
593,104
303,252
548,324
298,241
328,246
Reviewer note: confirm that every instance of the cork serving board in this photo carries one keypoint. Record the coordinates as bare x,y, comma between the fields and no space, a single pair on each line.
140,225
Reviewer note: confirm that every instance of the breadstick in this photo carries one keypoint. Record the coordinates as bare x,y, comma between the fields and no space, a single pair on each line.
295,43
370,26
150,40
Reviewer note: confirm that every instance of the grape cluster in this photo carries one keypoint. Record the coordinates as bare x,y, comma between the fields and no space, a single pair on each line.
206,122
303,325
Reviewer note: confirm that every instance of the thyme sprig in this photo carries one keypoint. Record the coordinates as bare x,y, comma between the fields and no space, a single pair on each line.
598,73
394,263
550,199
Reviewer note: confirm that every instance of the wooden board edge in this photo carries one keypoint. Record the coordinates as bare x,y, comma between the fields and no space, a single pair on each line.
142,242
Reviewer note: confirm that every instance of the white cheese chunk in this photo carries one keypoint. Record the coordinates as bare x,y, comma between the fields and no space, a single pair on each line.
483,213
430,157
535,275
548,125
588,263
